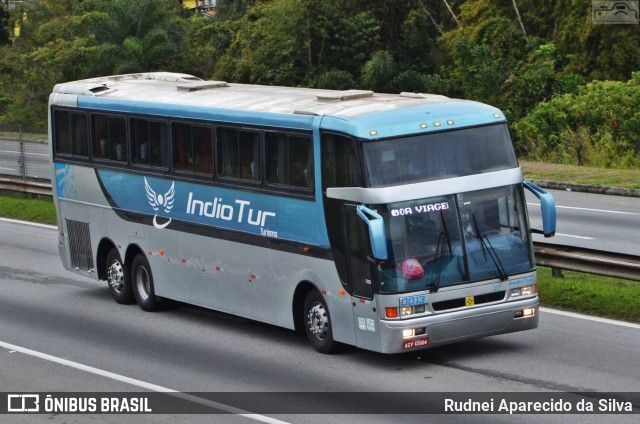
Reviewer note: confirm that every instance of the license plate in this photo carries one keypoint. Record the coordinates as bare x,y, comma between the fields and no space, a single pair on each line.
469,301
410,344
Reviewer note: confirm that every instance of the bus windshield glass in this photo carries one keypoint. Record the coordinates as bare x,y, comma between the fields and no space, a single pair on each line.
440,155
455,239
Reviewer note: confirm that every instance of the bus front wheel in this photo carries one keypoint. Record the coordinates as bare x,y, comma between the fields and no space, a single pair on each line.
118,279
142,282
317,323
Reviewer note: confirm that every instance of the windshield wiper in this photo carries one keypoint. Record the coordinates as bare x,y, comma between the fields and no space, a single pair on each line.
442,238
487,247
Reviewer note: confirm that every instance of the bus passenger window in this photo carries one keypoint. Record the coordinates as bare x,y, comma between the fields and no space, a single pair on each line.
71,133
192,149
239,154
202,150
109,138
182,147
290,160
150,142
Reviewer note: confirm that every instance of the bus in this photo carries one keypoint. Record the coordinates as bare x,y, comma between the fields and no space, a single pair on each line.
389,222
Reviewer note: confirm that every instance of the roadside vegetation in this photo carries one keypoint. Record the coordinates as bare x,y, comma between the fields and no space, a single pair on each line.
573,174
17,206
590,294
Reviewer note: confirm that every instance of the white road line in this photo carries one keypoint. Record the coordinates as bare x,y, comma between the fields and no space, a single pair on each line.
26,153
590,318
589,209
33,224
141,384
574,236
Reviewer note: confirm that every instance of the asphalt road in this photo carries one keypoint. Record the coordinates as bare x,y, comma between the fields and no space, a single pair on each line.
594,221
47,310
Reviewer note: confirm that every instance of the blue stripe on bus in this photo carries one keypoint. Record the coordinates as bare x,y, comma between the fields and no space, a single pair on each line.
254,213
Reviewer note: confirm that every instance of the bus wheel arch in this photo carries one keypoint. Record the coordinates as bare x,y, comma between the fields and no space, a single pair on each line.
104,247
299,297
113,269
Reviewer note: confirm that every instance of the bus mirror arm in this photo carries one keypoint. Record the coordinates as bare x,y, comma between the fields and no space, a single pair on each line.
377,232
548,208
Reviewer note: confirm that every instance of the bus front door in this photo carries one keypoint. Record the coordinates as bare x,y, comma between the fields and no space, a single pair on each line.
359,264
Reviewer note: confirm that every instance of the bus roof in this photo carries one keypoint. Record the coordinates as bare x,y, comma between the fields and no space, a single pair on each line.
358,112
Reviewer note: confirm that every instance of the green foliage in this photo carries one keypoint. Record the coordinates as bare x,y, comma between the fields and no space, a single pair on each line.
391,46
292,42
336,80
591,294
378,71
597,126
27,209
63,40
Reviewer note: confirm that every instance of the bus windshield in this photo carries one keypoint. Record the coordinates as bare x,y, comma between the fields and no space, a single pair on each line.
440,155
455,239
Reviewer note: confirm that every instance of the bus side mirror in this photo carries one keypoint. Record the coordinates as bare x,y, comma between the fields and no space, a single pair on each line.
377,233
548,207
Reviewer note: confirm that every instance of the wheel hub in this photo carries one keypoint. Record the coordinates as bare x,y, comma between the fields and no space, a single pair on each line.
115,276
318,321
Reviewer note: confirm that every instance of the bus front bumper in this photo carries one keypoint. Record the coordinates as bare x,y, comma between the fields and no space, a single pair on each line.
451,327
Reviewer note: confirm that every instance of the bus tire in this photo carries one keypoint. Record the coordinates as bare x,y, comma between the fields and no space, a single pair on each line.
317,323
118,278
142,283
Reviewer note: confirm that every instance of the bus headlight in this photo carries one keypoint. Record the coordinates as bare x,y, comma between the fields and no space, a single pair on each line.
407,333
411,310
525,313
407,310
524,291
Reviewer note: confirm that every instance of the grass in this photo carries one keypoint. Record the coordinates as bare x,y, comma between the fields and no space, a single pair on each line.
581,174
16,206
590,294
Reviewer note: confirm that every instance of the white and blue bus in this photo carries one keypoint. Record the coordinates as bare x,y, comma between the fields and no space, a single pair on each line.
388,222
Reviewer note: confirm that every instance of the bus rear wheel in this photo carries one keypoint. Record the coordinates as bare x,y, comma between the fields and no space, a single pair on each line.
317,323
142,283
118,279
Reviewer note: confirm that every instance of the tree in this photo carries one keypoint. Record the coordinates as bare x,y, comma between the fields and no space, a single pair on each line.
378,71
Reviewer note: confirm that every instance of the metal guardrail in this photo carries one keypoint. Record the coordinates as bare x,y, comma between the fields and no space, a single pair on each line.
24,159
42,187
590,261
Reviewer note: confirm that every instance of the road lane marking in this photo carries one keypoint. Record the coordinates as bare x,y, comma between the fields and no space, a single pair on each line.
574,236
26,153
590,318
142,384
589,209
33,224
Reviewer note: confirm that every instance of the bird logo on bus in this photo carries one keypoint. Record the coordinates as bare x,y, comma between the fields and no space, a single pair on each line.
159,201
